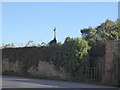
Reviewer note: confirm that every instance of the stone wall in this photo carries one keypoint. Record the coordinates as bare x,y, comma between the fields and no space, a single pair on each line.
36,62
47,70
32,61
110,63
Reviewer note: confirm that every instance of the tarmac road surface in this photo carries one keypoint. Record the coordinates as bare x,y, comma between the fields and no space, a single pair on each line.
20,82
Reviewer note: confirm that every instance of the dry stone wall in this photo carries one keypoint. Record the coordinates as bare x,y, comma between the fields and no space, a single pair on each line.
37,62
32,61
111,63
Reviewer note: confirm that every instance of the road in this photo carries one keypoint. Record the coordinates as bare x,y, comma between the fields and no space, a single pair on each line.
19,82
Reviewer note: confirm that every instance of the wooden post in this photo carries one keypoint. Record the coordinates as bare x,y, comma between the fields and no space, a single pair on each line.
94,72
91,73
88,73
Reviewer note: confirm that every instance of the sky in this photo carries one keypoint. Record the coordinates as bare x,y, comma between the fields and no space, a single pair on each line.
35,21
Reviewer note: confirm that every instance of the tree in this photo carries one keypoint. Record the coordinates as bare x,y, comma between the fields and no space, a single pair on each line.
89,34
74,53
97,37
108,30
118,28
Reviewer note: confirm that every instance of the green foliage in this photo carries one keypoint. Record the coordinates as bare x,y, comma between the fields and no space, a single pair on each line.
97,49
72,55
59,44
108,30
97,37
118,28
89,34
